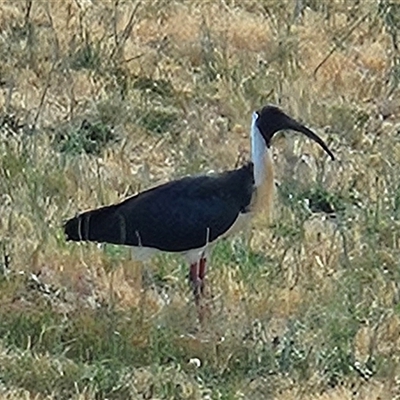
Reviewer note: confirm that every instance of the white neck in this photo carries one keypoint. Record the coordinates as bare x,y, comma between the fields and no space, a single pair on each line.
259,151
263,171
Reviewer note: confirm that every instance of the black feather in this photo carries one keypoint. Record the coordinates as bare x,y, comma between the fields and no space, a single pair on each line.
177,216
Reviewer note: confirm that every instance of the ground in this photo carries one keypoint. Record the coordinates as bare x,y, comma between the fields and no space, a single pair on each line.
100,99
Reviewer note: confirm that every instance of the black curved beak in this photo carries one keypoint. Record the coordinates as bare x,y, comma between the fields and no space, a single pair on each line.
295,126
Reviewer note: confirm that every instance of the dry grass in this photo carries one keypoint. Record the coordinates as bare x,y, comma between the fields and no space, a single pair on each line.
310,309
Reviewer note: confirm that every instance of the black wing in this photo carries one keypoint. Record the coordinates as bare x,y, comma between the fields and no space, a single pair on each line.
178,216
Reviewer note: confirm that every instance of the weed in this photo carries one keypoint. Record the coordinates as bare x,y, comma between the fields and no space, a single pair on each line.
154,87
89,138
158,121
87,56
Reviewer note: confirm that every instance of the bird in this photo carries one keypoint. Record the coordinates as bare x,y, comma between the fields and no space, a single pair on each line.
189,215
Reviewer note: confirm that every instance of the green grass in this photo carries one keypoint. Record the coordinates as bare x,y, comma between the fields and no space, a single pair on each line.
103,99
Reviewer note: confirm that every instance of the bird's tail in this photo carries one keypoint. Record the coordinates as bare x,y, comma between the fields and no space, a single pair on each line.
104,224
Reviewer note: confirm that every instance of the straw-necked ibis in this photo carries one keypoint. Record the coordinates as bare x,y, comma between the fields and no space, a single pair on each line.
189,215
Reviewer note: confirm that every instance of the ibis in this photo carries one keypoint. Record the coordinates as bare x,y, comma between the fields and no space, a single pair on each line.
191,214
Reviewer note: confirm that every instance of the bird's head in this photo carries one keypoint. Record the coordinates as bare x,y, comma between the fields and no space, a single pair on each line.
270,119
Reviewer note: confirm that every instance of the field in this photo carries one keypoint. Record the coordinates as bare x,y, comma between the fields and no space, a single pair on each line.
101,99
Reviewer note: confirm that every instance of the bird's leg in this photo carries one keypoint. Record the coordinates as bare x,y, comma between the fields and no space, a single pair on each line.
202,274
195,281
204,310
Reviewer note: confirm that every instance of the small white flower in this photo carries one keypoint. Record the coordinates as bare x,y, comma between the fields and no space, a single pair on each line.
195,362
